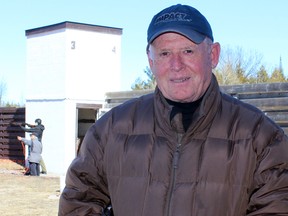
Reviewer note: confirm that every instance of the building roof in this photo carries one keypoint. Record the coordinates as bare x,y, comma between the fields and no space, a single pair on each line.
74,25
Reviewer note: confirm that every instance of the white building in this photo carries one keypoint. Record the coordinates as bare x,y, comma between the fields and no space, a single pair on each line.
70,67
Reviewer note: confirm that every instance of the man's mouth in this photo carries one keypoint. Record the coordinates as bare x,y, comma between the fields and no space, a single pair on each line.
181,80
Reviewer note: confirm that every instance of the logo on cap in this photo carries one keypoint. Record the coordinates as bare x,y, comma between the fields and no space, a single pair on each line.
173,16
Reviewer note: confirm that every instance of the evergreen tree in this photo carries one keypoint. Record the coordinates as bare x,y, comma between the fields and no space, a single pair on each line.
277,76
141,84
262,76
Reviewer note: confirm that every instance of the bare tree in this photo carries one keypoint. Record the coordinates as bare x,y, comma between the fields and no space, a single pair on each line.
236,66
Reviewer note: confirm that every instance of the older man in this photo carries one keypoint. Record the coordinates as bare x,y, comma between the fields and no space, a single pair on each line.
187,149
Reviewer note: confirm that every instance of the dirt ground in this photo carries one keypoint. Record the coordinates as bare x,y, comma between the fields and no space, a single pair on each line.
27,195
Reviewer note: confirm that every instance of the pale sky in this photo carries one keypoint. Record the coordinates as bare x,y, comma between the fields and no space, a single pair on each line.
259,26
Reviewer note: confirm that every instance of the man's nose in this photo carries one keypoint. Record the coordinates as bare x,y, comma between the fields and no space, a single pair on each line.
177,62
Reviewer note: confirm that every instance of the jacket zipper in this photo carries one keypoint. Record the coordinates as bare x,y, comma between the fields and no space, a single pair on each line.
173,174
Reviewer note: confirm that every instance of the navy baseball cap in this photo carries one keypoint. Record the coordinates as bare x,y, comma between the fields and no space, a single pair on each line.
182,19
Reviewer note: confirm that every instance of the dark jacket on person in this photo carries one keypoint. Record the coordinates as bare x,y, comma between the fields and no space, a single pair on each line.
35,150
231,161
37,129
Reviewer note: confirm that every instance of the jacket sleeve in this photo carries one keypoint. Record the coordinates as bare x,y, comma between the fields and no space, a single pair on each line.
86,191
26,141
270,194
28,129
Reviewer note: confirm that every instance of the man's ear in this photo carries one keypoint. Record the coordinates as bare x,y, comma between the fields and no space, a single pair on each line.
150,60
215,54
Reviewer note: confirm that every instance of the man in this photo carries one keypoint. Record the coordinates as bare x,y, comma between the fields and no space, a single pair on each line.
38,129
187,149
34,155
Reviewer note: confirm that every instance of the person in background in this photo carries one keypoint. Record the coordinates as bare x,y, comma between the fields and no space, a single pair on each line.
38,129
34,155
186,149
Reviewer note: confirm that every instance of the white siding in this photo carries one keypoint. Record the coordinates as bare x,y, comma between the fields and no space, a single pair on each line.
64,67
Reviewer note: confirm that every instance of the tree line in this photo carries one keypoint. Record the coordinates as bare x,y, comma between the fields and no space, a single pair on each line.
237,67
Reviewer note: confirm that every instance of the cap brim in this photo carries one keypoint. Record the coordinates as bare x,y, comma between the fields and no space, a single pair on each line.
192,35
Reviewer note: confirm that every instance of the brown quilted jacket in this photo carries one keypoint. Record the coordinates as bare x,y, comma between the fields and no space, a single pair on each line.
232,161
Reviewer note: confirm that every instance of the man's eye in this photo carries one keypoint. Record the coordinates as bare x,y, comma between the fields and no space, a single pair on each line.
164,54
188,51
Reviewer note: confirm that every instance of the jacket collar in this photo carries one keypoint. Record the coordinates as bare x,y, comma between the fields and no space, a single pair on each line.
201,118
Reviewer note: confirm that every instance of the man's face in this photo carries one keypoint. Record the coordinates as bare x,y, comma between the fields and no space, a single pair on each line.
182,68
